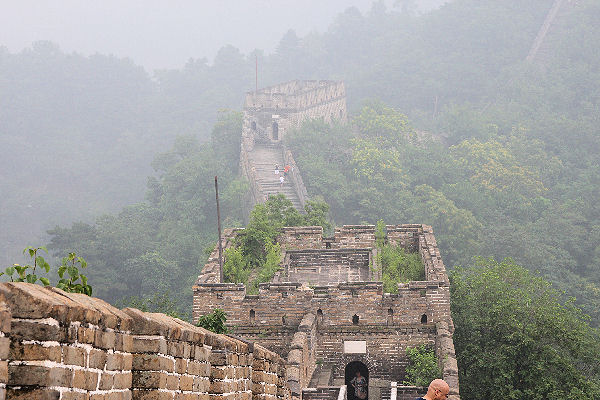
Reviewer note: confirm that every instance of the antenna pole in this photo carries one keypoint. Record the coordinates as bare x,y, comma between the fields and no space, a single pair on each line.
219,228
256,69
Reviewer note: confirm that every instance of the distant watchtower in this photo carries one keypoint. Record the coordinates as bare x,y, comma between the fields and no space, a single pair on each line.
269,114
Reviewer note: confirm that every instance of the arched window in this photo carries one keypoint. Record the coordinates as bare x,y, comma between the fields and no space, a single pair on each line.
252,316
424,318
283,320
390,318
275,131
319,316
253,125
355,319
341,114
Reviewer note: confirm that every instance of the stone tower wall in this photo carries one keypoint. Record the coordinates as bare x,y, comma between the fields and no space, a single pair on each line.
345,312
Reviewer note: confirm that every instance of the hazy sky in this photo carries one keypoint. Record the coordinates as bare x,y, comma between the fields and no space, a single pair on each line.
163,34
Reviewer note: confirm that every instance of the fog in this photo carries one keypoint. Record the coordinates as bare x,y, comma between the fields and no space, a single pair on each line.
165,34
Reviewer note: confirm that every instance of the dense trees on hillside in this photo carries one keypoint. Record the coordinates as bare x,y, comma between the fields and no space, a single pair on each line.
517,338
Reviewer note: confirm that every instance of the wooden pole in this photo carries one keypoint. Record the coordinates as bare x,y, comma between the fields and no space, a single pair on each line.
219,229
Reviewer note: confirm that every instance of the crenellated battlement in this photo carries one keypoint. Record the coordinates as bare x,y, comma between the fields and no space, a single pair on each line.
335,282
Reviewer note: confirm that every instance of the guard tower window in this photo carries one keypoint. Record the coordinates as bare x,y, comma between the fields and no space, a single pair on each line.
319,316
283,320
390,318
275,131
341,114
252,316
355,319
253,125
424,318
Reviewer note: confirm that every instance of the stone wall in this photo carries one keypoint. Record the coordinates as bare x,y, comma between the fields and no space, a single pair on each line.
5,317
336,305
301,360
385,348
70,346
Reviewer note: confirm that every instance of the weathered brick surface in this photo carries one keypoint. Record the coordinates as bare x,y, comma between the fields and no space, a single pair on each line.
83,348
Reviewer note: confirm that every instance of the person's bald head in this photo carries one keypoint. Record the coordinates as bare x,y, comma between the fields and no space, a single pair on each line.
438,390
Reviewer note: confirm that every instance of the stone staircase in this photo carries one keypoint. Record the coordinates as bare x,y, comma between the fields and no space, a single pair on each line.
321,377
264,157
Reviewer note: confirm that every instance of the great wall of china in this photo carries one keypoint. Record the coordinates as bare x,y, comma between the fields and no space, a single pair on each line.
323,317
269,114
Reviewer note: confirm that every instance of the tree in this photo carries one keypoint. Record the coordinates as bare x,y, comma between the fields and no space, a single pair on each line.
516,338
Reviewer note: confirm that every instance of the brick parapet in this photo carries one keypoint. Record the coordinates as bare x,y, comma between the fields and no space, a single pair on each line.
71,346
5,327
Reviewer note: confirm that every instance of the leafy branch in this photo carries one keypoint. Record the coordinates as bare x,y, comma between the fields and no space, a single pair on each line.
73,282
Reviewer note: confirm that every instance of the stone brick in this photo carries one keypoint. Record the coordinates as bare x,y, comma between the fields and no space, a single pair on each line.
27,330
106,381
32,394
4,348
149,379
34,375
180,365
34,352
74,396
123,380
3,371
83,379
74,356
151,395
97,359
145,344
186,383
114,361
104,339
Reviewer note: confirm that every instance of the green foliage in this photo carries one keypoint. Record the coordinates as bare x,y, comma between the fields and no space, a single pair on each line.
399,266
516,337
69,282
214,322
422,366
27,273
256,257
73,281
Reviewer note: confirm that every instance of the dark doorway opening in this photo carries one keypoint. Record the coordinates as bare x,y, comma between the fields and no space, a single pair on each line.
357,380
275,131
424,318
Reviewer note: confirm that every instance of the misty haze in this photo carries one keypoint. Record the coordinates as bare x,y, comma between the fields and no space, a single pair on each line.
407,196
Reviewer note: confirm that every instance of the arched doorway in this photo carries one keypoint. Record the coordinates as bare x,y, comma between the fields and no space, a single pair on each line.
275,131
357,380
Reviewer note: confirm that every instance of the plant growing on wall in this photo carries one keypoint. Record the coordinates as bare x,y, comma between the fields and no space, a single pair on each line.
73,281
214,322
422,366
397,264
255,256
